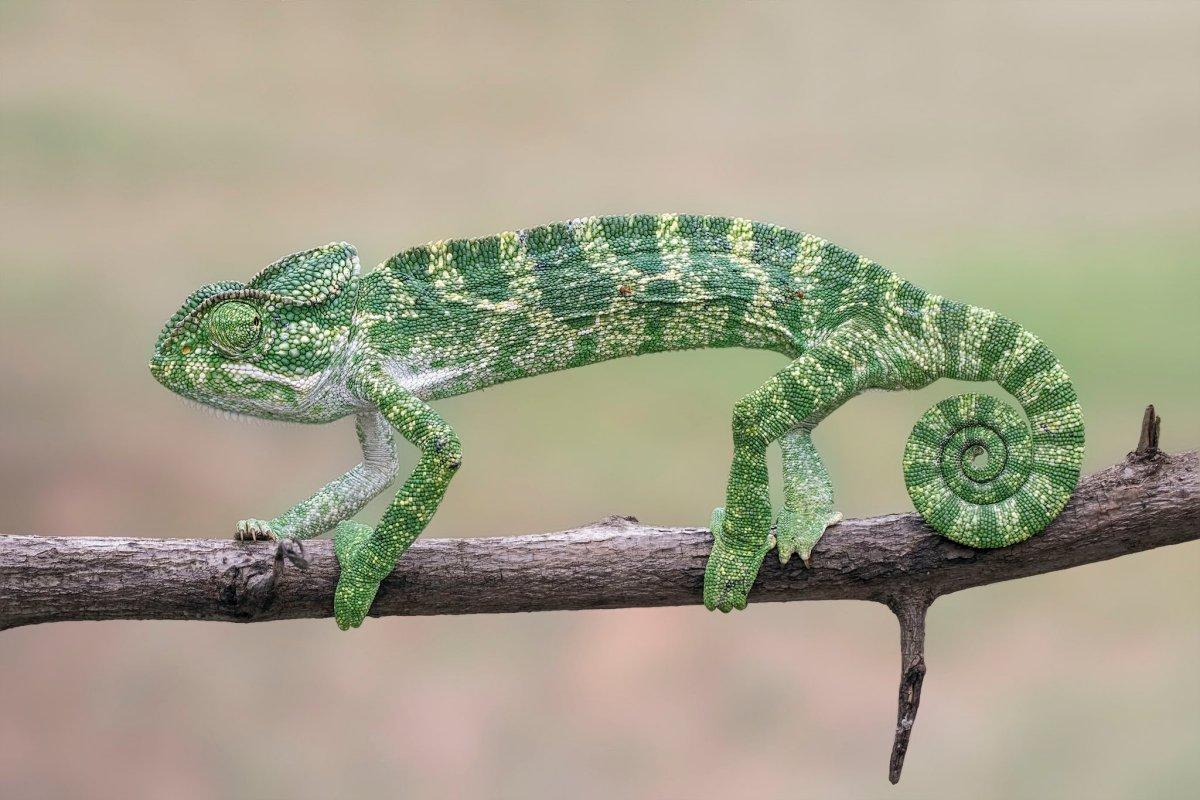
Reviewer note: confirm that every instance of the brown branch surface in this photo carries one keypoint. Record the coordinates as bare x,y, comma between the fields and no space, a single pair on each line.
615,563
1150,500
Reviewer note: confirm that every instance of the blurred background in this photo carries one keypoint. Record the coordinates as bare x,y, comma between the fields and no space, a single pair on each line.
1038,159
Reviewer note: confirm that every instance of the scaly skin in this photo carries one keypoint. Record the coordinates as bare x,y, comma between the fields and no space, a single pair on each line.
309,340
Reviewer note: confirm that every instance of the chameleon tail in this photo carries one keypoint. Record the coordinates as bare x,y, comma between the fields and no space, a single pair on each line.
978,471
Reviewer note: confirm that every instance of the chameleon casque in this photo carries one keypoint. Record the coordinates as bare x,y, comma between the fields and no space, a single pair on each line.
310,340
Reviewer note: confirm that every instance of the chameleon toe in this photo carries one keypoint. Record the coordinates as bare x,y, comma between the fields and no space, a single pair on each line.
798,532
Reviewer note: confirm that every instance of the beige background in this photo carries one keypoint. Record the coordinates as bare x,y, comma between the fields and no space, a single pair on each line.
1040,159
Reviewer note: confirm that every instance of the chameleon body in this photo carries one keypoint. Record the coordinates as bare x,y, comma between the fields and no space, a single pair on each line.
308,339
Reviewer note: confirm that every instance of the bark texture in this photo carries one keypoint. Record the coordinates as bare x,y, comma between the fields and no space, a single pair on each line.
1150,500
1142,503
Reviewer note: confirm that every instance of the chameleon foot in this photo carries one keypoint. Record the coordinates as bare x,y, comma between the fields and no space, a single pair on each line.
799,532
730,573
357,585
253,530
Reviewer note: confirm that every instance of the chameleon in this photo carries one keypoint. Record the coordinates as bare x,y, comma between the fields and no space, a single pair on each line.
310,339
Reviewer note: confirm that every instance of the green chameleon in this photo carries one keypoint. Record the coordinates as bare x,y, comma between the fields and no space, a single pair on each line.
310,340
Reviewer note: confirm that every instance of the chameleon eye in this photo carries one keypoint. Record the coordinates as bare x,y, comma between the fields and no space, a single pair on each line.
235,327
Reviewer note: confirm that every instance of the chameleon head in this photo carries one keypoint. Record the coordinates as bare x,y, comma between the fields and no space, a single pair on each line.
267,348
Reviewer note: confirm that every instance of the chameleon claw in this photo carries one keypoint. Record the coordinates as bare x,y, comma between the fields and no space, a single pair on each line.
799,533
252,530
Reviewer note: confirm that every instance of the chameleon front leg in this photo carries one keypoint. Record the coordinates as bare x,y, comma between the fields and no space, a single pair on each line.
342,498
367,556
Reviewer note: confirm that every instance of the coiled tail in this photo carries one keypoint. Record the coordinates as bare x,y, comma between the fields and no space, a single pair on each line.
978,471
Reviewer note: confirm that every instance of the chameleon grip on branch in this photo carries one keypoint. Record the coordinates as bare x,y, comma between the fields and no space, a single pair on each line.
310,340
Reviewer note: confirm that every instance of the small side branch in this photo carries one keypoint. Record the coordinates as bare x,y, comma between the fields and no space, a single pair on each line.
1148,439
910,608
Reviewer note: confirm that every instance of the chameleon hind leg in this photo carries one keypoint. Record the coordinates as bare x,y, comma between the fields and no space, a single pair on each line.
366,556
807,497
798,396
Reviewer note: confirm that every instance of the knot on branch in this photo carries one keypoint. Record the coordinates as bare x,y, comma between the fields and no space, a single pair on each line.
249,589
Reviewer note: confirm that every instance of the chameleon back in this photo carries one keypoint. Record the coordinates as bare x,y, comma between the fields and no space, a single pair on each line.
455,316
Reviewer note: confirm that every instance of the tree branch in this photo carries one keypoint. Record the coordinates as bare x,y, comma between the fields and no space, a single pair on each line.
614,563
1150,500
